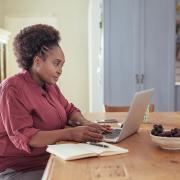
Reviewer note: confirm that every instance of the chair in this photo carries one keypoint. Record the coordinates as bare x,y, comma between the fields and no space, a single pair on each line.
124,108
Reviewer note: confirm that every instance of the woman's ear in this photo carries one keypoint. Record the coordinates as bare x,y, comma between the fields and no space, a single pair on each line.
36,60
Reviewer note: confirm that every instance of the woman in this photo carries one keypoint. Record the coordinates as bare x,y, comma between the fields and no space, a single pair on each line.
33,111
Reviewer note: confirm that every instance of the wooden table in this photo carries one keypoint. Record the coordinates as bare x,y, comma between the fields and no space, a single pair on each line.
145,160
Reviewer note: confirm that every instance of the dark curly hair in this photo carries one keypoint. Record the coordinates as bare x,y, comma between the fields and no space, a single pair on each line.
33,40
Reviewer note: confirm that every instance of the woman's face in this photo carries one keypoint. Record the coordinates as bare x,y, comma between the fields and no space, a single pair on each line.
49,69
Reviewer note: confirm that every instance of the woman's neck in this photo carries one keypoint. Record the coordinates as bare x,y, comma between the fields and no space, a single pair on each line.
36,78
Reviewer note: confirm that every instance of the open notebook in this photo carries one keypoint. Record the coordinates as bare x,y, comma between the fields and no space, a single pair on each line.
82,150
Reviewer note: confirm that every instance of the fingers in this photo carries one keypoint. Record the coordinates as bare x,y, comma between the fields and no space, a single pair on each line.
107,127
92,134
94,137
94,129
103,128
86,133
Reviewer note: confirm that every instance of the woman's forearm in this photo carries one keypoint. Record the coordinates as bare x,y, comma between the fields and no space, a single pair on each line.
44,138
78,119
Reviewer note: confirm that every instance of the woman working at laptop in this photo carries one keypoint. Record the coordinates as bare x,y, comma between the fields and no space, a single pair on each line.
33,111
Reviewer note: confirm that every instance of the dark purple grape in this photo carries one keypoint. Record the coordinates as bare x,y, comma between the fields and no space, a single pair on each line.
177,134
155,126
162,134
157,129
153,132
168,134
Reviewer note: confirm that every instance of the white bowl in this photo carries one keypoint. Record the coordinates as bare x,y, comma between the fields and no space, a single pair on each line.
171,143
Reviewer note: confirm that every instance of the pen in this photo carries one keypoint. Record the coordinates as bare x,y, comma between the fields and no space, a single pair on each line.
96,144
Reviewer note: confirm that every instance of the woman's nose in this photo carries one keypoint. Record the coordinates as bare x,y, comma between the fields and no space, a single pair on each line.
59,71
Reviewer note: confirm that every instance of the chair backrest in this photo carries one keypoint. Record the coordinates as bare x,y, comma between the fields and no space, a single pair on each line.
124,108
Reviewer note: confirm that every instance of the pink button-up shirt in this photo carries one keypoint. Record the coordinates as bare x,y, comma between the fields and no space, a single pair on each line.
26,108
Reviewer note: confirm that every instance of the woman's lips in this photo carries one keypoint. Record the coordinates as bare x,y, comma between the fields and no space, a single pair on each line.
56,78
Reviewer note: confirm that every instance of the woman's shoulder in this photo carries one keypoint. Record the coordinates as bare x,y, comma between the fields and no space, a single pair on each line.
15,81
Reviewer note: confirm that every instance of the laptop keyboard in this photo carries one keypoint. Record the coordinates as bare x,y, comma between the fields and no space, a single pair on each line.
113,134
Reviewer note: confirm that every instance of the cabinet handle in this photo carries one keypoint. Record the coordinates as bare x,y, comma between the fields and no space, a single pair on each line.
137,78
142,78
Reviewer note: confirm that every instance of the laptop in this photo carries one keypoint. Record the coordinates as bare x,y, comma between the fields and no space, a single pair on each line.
133,119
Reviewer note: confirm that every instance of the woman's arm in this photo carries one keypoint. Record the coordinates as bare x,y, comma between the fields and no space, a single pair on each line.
43,138
78,134
77,119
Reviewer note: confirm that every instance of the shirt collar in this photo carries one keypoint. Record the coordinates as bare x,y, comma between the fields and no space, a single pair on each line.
27,76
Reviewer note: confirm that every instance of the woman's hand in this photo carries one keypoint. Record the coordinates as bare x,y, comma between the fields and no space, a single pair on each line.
89,132
104,128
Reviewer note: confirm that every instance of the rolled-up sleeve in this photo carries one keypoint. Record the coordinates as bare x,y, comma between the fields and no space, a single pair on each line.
16,119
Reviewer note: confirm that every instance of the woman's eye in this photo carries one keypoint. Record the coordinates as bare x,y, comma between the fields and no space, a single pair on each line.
56,64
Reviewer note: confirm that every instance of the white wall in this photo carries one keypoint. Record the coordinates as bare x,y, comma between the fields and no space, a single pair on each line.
72,18
1,13
96,87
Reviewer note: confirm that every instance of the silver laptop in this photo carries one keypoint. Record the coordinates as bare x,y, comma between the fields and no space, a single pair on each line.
134,117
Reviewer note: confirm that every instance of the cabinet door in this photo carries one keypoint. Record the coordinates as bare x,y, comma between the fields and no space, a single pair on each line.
139,39
159,51
121,62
